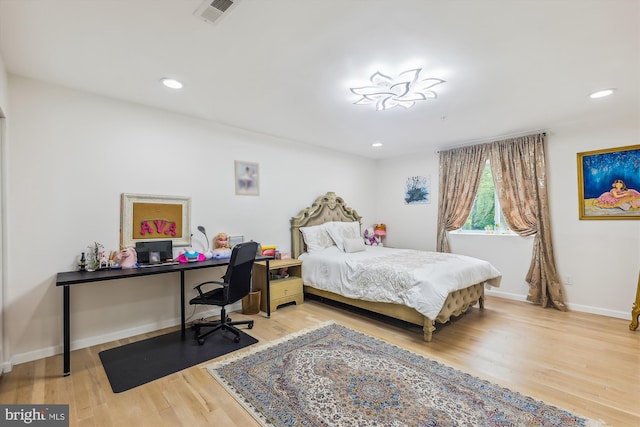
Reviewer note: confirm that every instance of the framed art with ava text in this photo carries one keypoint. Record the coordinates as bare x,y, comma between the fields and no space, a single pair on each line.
145,218
609,183
247,178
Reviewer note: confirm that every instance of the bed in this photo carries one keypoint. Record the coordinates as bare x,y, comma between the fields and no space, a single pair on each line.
418,287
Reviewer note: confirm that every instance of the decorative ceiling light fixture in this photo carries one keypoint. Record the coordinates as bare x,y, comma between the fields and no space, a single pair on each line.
387,93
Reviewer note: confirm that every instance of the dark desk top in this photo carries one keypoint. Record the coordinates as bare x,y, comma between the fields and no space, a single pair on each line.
76,277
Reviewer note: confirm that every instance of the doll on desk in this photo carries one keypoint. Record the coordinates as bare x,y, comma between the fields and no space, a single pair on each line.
221,246
221,251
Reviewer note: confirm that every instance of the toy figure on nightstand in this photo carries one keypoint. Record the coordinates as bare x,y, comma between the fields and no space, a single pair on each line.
380,232
221,246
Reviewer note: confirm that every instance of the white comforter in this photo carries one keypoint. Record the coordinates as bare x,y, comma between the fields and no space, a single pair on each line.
418,279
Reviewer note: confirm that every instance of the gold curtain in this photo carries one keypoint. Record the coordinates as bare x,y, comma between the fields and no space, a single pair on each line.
460,172
519,176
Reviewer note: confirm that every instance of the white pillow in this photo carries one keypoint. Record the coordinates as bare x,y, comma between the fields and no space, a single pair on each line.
316,238
339,231
354,245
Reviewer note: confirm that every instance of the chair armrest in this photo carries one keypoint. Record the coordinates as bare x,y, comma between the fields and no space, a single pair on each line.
199,287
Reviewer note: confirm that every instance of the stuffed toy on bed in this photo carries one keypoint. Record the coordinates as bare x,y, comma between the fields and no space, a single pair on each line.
369,238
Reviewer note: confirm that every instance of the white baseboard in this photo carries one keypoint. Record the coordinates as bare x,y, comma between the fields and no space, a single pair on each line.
575,307
17,359
506,295
6,367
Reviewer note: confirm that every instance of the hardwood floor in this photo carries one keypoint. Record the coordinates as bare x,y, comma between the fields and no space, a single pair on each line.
584,363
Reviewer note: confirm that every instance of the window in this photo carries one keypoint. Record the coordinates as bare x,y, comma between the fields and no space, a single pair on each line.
486,215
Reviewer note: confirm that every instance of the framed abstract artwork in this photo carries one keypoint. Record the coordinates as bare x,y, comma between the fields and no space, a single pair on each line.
609,183
247,179
417,189
145,218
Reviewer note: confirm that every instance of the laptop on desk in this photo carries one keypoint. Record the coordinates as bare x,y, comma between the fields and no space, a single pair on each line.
157,252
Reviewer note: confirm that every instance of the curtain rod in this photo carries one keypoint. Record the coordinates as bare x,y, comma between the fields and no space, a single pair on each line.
492,139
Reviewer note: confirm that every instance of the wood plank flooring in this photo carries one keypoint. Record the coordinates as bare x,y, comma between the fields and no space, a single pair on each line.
584,363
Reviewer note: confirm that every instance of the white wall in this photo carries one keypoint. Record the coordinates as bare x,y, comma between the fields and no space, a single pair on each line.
4,95
408,226
603,256
71,156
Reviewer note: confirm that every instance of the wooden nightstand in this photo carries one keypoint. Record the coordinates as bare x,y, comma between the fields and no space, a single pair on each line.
281,290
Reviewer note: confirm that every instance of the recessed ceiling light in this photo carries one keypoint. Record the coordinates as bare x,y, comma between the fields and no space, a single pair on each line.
601,93
171,83
376,144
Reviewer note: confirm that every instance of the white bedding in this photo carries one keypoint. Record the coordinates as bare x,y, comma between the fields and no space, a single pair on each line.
418,279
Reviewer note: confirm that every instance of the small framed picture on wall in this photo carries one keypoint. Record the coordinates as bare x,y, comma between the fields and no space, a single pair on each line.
417,189
247,178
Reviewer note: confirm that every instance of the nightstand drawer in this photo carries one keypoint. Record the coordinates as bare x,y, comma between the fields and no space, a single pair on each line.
286,287
277,291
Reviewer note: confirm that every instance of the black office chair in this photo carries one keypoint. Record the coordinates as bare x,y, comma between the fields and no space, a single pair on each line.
236,284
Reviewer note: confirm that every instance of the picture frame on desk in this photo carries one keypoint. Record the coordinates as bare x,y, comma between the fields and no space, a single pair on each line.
234,240
146,217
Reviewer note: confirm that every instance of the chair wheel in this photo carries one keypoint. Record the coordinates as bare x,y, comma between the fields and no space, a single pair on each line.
229,320
236,340
201,341
250,325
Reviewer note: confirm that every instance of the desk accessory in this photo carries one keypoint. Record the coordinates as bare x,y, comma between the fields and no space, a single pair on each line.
190,256
207,254
93,258
127,258
83,263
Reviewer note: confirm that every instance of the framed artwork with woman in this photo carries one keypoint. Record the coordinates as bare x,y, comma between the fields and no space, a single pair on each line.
609,183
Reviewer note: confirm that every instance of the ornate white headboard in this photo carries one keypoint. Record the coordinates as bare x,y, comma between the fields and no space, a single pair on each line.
326,208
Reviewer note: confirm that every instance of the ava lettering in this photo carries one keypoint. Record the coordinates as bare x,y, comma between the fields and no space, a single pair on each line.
150,227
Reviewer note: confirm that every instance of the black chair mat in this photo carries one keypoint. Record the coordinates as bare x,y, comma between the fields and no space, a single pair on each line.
138,363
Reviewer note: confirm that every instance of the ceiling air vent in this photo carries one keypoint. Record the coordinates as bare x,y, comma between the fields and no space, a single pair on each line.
211,11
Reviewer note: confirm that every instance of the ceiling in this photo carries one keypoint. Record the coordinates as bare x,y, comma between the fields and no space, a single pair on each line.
284,67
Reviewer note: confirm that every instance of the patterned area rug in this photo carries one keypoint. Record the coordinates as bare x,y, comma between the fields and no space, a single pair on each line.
335,376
